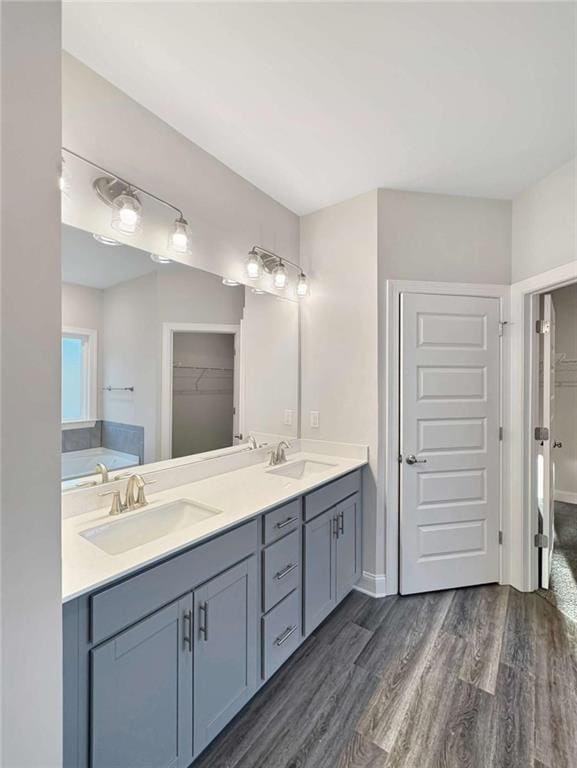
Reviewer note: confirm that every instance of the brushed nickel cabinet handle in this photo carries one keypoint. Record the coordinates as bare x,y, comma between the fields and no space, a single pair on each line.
285,571
286,522
341,523
203,621
187,630
281,639
335,525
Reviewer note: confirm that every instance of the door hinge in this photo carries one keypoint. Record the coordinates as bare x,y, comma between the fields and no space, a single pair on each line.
500,537
500,433
502,324
541,433
541,540
542,326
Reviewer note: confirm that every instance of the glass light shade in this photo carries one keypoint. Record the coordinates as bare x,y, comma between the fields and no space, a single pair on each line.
179,238
103,240
253,266
230,283
258,291
302,285
126,217
159,259
279,277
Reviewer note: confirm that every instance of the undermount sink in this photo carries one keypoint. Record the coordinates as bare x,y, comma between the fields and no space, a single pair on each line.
122,535
300,469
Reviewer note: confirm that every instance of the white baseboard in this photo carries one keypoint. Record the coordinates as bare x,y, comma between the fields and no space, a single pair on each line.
372,584
567,496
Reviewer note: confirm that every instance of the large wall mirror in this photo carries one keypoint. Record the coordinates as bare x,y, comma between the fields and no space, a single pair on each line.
161,360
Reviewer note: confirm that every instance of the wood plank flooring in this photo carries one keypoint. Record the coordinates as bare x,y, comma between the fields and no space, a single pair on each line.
484,677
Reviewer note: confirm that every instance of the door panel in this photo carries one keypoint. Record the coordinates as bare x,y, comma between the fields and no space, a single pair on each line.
225,651
548,412
348,558
142,694
450,405
319,575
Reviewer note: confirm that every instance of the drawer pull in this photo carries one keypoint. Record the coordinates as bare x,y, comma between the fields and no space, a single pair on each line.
281,639
341,523
187,630
286,522
285,571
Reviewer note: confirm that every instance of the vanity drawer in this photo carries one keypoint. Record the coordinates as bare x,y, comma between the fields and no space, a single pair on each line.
280,569
281,633
329,495
126,603
281,521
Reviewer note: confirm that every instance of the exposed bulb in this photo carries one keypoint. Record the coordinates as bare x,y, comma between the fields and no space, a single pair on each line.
253,266
280,276
302,285
126,217
179,238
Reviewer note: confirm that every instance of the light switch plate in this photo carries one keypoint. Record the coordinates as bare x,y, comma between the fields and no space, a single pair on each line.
314,419
288,418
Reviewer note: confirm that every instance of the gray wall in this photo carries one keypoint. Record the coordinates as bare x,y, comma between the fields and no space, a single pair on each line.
545,224
30,587
444,238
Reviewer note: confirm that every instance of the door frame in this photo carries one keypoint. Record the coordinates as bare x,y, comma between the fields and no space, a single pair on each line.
388,490
524,409
168,331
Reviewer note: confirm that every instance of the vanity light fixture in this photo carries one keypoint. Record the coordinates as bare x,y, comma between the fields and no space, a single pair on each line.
230,283
179,237
302,285
276,266
253,265
159,259
103,240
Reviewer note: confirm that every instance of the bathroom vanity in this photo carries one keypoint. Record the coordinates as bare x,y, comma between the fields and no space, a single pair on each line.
162,650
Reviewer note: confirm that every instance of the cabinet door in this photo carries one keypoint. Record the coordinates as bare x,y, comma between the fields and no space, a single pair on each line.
319,569
142,693
348,559
225,649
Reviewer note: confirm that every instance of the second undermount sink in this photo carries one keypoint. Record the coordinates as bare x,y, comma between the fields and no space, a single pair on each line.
123,534
299,469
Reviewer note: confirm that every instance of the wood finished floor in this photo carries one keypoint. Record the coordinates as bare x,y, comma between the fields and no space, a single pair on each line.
473,678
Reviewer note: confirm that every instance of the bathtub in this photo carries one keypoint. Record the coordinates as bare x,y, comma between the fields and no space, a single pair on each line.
83,463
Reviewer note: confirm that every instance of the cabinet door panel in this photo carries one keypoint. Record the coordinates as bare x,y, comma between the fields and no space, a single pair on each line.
348,560
142,694
319,575
225,649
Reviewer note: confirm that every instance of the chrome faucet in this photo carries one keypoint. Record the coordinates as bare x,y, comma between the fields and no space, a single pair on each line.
278,455
135,496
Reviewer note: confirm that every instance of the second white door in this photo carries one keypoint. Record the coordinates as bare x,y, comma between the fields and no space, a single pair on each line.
449,439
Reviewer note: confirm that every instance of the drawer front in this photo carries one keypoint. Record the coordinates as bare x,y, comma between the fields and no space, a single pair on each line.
281,633
126,603
281,521
329,495
281,569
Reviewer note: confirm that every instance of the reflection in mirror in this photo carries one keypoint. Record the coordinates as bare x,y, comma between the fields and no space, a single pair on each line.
163,361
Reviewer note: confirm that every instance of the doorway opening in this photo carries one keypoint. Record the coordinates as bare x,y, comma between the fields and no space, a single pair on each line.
201,378
556,447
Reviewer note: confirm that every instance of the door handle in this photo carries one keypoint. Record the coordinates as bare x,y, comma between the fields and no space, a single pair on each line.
341,519
412,459
203,620
187,630
557,444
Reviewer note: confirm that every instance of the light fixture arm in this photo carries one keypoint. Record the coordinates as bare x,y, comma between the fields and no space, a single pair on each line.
130,185
281,259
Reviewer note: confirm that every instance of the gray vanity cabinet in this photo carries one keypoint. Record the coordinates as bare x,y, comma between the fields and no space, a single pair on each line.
141,698
225,660
332,559
348,545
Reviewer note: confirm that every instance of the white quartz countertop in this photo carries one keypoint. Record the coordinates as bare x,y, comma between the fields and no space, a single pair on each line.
239,495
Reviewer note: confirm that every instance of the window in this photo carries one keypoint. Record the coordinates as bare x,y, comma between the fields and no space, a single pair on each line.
78,375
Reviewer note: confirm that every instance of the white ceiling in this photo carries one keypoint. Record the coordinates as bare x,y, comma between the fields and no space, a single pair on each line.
315,103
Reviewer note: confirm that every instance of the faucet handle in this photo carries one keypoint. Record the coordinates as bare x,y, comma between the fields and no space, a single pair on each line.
116,507
141,499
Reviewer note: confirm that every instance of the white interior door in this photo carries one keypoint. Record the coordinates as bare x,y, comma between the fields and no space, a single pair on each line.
449,442
548,419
